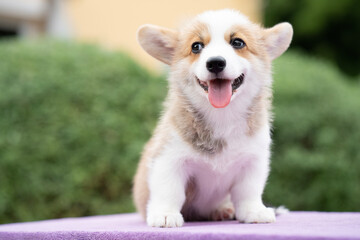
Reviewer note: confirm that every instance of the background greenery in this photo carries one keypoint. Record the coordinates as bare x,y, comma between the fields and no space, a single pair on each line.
74,119
327,29
73,122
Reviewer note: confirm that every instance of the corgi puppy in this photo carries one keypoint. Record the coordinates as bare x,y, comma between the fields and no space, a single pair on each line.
209,156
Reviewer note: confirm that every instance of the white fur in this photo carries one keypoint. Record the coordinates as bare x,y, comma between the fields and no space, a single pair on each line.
239,171
219,47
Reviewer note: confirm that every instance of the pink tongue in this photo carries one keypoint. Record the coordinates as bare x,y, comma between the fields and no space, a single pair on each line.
220,92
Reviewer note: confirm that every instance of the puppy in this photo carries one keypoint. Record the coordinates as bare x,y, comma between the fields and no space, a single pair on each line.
208,158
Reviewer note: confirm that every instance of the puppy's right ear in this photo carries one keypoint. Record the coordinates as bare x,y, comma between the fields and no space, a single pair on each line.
278,38
157,41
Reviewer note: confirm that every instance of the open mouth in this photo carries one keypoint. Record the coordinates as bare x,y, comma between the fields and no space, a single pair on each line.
236,83
220,90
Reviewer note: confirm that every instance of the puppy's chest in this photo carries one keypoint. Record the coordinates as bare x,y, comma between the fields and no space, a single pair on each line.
215,175
239,152
234,144
234,156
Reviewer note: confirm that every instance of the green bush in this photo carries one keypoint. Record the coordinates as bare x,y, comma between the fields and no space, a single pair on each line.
74,119
316,155
322,27
73,122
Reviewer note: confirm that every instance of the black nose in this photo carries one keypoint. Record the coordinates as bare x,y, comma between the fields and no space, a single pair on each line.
216,64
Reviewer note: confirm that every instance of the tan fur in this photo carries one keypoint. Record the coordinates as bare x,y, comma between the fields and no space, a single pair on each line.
251,37
188,212
259,111
151,150
196,32
140,188
277,39
193,128
164,42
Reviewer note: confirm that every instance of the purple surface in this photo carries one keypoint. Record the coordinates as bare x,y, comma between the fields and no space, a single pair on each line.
294,225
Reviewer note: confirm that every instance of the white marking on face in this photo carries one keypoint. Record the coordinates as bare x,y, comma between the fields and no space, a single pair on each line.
218,46
219,24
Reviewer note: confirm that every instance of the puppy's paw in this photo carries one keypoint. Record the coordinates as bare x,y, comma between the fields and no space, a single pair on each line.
256,215
223,213
166,219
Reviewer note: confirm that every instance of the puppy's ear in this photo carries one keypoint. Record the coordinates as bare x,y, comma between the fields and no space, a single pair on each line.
277,39
157,41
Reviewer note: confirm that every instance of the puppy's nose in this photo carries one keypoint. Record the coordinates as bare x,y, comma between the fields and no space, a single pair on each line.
216,64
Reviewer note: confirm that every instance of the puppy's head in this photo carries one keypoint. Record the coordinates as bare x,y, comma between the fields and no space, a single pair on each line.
218,55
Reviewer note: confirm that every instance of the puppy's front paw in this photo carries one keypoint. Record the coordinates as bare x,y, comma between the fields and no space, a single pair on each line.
166,219
256,215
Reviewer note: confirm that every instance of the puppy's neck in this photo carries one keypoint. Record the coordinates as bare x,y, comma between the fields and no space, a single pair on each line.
192,125
208,129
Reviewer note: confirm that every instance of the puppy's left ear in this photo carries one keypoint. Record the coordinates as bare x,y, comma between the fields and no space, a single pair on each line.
157,41
277,39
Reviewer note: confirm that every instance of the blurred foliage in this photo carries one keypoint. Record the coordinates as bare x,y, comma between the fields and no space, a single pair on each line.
74,119
316,155
73,122
329,29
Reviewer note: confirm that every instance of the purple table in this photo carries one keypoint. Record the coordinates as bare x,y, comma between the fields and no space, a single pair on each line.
294,225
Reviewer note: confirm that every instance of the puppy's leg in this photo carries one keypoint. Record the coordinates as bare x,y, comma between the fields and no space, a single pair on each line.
167,192
225,211
247,191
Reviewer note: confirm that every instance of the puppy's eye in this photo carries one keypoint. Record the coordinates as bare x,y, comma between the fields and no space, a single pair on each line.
237,43
196,47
